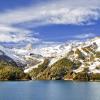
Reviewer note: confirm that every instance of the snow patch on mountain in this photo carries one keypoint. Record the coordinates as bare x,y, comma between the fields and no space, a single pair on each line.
33,57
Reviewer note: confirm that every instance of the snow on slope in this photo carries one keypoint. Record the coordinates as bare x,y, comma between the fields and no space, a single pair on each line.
11,54
61,54
95,61
60,51
56,53
97,40
27,70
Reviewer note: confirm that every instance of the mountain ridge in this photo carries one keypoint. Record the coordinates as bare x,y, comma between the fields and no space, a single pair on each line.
82,54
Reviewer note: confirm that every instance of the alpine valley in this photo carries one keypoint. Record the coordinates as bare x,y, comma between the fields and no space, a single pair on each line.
74,60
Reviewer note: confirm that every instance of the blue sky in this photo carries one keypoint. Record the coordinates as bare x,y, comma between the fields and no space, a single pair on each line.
48,21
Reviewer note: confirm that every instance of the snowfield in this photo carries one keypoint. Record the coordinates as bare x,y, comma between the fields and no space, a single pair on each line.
55,53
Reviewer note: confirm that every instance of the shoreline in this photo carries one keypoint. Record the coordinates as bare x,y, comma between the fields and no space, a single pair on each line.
50,80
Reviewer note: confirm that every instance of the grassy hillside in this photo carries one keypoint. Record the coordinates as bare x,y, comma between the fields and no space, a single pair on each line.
10,71
57,71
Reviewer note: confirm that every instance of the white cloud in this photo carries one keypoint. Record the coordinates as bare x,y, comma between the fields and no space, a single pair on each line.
84,36
55,12
10,34
48,44
5,28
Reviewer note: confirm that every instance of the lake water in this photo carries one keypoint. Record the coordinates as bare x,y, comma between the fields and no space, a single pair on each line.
49,90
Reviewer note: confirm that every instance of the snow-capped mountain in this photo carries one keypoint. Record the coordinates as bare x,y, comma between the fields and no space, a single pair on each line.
87,53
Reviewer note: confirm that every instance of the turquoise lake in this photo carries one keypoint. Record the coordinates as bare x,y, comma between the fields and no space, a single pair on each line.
49,90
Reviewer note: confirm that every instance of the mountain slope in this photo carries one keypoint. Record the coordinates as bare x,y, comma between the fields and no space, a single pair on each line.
82,55
66,61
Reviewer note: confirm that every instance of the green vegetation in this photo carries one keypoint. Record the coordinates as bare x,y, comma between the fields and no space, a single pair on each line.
96,77
83,76
98,67
98,54
80,54
36,71
57,71
61,68
10,71
86,76
4,62
70,53
88,49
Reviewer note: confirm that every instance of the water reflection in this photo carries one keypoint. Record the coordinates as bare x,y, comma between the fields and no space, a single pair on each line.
49,90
